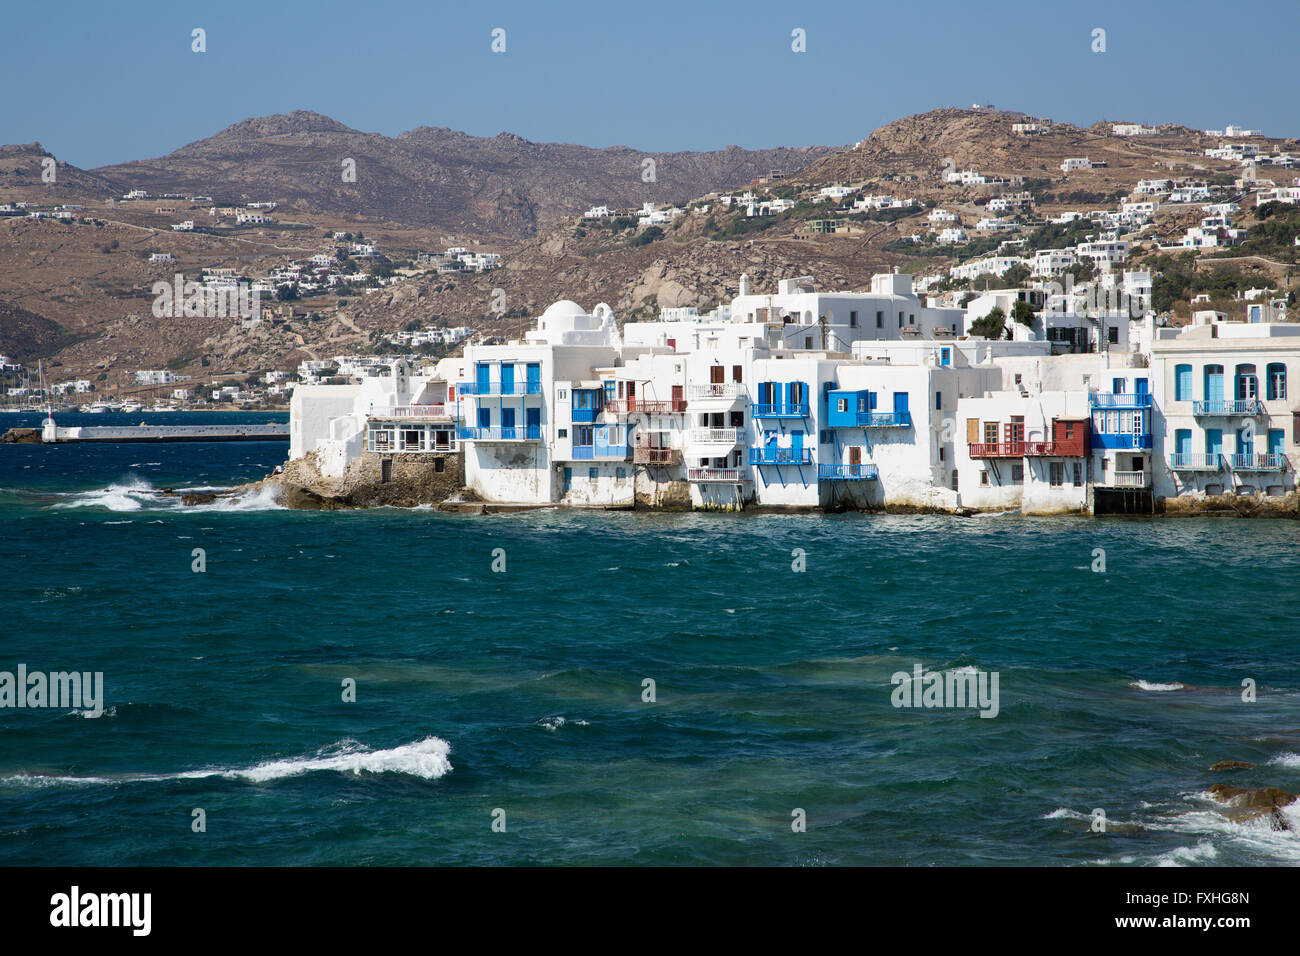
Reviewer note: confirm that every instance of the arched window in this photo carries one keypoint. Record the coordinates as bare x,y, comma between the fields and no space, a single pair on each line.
1276,381
1247,382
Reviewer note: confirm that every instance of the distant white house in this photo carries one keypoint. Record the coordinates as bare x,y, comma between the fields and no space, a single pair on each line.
186,226
1075,164
1286,194
835,192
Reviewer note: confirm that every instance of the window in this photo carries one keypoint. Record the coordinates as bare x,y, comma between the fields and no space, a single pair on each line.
735,374
945,356
593,473
880,320
1078,474
620,473
561,395
984,478
1056,474
562,433
941,453
1247,383
911,318
1276,381
853,319
440,464
1112,335
1017,472
900,320
1182,383
841,404
990,433
938,401
807,341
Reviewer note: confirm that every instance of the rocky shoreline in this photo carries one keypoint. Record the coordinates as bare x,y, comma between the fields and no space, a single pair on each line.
437,481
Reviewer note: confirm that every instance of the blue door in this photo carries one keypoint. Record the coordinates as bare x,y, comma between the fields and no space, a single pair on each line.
1214,383
900,408
1245,442
485,418
507,379
534,373
1214,442
1142,386
1275,438
483,383
568,479
533,417
1183,442
507,423
796,446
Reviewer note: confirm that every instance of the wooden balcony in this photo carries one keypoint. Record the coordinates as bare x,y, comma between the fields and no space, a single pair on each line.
632,406
649,455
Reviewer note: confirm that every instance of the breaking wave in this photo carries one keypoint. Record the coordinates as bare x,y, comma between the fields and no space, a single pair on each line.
1149,685
136,494
427,759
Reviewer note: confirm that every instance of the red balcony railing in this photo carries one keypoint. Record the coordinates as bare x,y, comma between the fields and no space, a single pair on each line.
1061,448
997,449
627,406
1064,448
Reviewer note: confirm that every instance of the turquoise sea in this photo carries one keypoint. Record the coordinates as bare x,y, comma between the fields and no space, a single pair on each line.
522,690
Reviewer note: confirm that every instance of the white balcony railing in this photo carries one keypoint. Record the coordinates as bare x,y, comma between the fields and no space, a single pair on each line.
717,474
420,411
1129,479
713,436
719,390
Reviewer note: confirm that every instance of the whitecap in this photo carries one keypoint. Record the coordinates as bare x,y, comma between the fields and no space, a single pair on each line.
1149,685
427,759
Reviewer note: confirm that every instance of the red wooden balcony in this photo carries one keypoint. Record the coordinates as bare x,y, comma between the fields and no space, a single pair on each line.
997,449
628,406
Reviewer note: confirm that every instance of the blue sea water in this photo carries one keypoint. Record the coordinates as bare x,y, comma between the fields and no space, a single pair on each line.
522,691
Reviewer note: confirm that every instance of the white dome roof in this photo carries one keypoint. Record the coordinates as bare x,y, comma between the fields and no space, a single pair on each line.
564,309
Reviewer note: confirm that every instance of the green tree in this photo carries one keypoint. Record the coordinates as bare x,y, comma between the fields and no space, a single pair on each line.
1016,276
1023,312
990,326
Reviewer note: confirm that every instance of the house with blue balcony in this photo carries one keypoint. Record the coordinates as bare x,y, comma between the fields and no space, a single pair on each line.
517,413
1225,424
781,400
1122,439
859,409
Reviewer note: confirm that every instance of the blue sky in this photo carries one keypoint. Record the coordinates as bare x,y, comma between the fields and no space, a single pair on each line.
102,83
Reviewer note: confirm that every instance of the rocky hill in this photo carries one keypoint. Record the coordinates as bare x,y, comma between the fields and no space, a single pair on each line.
504,185
79,291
